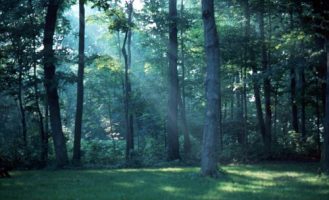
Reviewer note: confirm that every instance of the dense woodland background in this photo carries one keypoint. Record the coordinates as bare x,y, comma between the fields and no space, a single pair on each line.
140,111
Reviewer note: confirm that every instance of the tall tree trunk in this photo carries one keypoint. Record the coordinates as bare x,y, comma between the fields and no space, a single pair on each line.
43,135
46,128
302,81
303,104
267,82
21,103
275,123
51,84
79,109
211,127
293,93
245,102
325,153
239,109
126,52
318,119
251,61
172,127
187,142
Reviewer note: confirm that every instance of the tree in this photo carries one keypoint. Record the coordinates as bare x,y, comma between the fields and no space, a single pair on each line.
326,134
79,108
43,132
126,51
182,100
250,53
172,115
211,127
51,84
267,81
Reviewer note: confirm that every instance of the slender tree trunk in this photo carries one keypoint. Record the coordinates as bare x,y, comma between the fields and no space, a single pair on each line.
303,104
126,52
318,121
251,61
211,127
232,101
43,135
51,84
293,99
187,142
293,93
275,124
79,109
47,129
325,158
239,110
267,83
21,104
302,81
172,127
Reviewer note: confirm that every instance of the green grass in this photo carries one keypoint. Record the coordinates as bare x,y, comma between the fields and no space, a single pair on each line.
264,182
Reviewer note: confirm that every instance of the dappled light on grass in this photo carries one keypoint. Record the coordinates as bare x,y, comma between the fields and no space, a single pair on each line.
267,181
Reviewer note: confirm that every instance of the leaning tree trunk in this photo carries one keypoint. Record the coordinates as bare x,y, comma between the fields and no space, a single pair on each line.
172,116
79,110
211,127
51,84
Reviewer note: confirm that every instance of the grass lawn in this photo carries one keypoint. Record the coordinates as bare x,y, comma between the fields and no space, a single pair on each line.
263,181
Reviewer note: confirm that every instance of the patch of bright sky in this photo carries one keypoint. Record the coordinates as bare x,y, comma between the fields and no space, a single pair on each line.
138,5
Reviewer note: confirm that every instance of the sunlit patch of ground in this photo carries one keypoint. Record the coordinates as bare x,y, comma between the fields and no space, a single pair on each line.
267,181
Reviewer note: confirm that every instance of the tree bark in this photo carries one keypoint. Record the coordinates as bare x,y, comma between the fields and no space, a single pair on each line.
21,103
51,84
267,82
79,109
187,141
251,62
172,127
239,109
126,52
303,104
211,127
325,153
43,135
293,93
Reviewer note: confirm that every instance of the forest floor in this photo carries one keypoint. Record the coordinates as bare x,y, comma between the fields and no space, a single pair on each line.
282,181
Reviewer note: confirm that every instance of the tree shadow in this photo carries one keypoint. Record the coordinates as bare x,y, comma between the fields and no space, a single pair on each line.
238,182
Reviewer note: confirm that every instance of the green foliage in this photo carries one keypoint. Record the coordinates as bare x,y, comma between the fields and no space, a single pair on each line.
102,152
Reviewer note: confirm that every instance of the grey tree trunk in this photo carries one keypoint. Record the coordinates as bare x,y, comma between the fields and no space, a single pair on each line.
211,127
51,84
172,116
79,109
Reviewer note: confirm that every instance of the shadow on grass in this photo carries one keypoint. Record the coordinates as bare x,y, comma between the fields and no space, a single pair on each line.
239,182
